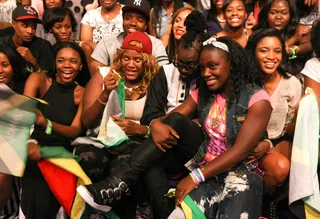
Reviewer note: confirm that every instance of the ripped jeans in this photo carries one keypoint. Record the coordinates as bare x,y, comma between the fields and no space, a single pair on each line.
228,196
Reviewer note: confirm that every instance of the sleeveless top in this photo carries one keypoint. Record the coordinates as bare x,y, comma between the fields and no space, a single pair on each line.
61,109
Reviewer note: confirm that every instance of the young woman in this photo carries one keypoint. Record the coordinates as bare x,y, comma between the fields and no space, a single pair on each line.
229,105
11,69
60,22
161,16
177,30
64,95
235,14
216,20
105,20
282,15
285,90
135,64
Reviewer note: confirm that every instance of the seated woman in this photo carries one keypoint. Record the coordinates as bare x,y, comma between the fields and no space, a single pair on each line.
135,64
11,66
172,38
60,22
64,95
282,15
227,111
285,91
236,15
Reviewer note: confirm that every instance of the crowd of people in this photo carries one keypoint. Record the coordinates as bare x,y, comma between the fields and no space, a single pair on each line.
211,94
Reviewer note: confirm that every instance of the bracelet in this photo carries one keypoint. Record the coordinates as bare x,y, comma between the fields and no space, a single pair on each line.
201,174
39,69
100,101
195,180
270,144
148,132
152,121
49,127
34,141
10,22
294,50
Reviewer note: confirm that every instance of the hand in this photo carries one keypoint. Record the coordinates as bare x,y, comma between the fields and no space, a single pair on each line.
27,55
183,188
163,136
259,151
41,120
110,83
310,2
128,126
301,31
251,21
33,151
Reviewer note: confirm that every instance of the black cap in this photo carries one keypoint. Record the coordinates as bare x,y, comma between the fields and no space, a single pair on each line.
140,5
25,12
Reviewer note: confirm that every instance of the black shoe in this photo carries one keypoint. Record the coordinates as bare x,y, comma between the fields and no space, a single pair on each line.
104,194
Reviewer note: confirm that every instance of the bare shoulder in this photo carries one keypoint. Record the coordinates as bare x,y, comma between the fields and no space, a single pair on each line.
78,94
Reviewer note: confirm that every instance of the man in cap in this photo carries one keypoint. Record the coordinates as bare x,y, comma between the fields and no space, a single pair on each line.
135,18
37,52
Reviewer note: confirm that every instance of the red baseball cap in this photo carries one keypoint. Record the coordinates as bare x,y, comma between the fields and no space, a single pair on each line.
138,41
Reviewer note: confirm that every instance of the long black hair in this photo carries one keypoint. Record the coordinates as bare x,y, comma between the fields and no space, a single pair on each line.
18,65
315,38
84,73
243,71
258,35
289,30
57,14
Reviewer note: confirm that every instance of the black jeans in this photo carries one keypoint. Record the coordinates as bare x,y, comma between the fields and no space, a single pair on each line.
157,176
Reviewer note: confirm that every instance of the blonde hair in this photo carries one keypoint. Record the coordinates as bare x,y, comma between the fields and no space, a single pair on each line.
150,66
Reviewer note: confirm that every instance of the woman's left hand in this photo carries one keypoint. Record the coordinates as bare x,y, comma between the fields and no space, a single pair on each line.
41,120
128,126
183,188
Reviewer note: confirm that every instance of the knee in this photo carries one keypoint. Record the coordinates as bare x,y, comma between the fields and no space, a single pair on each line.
281,170
175,119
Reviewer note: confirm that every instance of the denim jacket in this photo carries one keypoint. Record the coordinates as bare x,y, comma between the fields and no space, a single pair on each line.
236,114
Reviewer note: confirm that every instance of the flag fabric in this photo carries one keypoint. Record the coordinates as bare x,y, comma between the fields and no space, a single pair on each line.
303,181
191,209
63,174
17,114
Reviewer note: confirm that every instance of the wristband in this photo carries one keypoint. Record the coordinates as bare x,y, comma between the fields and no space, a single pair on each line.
34,141
195,180
154,120
49,127
148,132
100,101
201,174
270,144
39,70
294,51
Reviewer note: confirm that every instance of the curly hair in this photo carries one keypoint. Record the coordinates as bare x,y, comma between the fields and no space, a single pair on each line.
315,36
289,30
57,14
150,69
257,36
243,71
171,48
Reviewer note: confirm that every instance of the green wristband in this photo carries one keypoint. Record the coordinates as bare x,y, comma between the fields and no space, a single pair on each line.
148,132
49,127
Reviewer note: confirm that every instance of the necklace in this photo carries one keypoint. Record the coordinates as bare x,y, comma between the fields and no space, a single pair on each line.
220,20
130,90
214,123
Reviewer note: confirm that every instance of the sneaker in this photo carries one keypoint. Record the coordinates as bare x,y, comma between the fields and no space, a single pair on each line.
104,194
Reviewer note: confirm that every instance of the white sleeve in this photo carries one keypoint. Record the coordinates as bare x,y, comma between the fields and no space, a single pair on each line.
88,18
101,54
159,51
312,69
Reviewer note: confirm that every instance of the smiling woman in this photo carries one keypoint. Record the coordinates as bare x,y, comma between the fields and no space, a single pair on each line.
64,95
